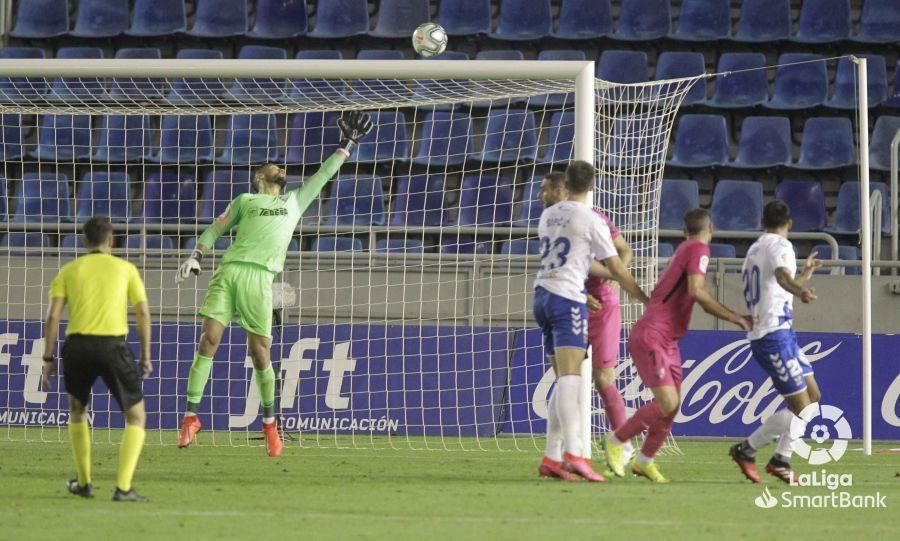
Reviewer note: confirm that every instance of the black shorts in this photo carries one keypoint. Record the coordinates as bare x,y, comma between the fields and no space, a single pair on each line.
86,357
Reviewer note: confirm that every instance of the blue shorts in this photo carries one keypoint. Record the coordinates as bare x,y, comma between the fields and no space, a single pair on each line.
564,322
779,355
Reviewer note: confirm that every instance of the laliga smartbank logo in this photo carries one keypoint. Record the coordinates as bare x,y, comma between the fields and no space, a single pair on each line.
824,423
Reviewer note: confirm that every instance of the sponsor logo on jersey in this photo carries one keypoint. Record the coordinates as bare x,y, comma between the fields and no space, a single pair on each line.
273,212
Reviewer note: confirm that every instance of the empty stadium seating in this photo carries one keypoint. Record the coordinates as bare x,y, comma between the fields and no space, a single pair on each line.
219,18
101,18
150,18
700,141
765,141
806,201
523,20
584,19
277,19
41,19
465,17
704,20
737,205
677,197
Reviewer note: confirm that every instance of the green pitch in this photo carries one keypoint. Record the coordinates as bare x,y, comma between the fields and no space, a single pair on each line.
239,493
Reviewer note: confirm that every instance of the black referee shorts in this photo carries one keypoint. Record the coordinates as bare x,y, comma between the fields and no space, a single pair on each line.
87,357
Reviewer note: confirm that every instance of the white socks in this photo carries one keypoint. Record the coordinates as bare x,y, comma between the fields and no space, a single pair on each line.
777,423
567,388
554,430
785,447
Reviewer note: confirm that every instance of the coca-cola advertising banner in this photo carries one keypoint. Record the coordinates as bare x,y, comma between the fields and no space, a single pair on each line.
367,378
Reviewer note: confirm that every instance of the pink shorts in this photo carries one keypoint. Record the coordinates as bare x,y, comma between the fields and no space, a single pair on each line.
658,361
604,332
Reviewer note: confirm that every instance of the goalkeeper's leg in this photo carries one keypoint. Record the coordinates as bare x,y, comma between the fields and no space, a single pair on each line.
198,378
259,347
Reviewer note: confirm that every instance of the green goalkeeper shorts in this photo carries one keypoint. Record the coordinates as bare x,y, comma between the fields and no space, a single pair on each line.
241,291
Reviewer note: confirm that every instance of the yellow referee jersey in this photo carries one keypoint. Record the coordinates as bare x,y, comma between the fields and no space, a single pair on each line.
97,288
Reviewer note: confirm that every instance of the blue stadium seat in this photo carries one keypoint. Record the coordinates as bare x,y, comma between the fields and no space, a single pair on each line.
801,81
185,139
524,20
764,20
373,91
584,19
527,212
556,100
250,139
197,90
618,197
43,197
665,249
746,87
399,18
465,244
880,143
169,196
846,212
11,133
124,138
630,147
37,19
485,199
465,17
622,66
101,18
152,242
845,253
63,138
560,138
104,194
388,141
222,243
426,90
703,20
500,54
70,242
420,201
671,65
315,90
844,96
894,100
827,143
824,21
765,141
642,20
336,244
737,205
677,197
399,246
718,249
521,247
254,89
278,19
700,141
312,137
355,201
219,189
24,240
136,88
806,201
77,89
879,22
3,209
446,139
19,89
341,18
510,136
151,18
219,18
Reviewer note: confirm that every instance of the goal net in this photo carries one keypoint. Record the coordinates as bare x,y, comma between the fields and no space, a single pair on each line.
403,314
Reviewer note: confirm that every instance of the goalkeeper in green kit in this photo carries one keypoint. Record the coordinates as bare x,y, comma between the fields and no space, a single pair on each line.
241,287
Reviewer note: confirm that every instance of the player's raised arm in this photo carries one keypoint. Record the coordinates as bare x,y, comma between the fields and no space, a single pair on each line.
796,286
354,126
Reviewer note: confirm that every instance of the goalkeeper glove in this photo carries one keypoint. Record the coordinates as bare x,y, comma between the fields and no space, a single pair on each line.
190,266
354,126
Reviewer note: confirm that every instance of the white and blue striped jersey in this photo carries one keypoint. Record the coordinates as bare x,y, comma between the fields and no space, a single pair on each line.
572,236
771,306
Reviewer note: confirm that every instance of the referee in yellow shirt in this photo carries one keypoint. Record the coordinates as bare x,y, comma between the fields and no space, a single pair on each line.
97,288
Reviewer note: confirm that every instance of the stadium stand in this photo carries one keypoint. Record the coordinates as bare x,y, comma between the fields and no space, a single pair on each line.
765,141
101,18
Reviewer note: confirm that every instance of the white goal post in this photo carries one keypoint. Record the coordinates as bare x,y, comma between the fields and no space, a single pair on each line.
623,129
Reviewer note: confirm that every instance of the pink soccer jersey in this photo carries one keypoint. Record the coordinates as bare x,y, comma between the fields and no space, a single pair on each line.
597,287
670,307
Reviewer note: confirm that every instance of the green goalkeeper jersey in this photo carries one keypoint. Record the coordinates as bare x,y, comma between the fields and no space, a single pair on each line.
266,223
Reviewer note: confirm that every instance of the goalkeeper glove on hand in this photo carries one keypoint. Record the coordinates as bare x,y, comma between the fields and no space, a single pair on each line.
354,126
190,266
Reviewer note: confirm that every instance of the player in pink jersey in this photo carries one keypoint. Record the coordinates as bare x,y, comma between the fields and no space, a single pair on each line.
604,312
654,345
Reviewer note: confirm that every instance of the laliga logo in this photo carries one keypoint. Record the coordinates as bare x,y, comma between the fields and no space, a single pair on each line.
815,416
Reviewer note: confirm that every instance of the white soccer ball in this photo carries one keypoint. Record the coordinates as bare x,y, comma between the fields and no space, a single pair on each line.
429,39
